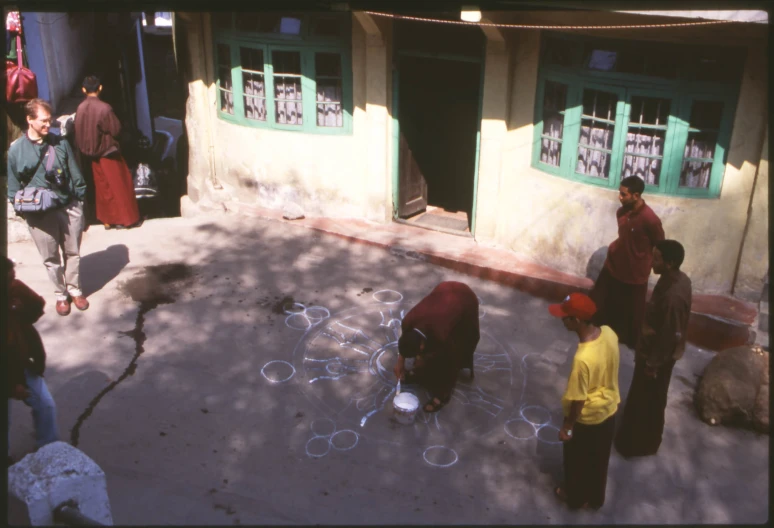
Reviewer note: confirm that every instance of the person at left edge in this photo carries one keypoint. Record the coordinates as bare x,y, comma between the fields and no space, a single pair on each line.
60,227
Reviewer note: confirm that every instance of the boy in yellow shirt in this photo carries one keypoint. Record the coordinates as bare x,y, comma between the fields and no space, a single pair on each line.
589,403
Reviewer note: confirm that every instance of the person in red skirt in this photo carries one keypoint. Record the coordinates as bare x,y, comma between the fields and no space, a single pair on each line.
96,133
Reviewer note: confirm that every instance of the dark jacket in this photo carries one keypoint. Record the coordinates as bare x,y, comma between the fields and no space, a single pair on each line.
23,158
23,345
96,128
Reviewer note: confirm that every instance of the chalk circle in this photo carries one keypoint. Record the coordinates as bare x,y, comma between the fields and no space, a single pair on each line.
316,314
549,434
272,371
323,427
388,296
344,440
293,308
298,321
440,456
519,429
335,368
318,446
536,415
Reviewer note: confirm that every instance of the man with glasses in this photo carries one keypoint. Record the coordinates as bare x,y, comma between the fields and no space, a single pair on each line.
59,227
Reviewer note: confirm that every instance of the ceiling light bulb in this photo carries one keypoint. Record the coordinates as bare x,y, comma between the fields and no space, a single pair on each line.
470,14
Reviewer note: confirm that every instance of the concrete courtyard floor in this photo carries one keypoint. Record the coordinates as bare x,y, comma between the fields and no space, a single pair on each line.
258,392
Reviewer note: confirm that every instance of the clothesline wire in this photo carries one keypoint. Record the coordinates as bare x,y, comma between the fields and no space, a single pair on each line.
530,26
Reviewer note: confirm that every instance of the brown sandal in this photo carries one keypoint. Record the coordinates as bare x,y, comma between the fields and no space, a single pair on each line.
433,406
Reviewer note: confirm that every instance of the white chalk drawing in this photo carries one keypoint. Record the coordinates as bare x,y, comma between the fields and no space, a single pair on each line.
300,317
344,365
325,436
533,421
388,296
441,453
273,366
481,309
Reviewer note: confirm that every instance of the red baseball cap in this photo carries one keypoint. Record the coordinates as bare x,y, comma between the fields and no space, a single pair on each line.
574,305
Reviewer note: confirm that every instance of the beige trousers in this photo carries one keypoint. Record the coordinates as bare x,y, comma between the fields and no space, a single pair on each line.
60,228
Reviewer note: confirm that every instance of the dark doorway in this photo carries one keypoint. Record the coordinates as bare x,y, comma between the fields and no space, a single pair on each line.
438,99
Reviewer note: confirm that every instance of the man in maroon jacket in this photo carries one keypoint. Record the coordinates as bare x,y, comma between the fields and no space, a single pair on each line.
622,286
96,132
26,358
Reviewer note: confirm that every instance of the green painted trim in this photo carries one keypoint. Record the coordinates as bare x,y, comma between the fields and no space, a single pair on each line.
395,141
677,129
308,86
443,56
480,116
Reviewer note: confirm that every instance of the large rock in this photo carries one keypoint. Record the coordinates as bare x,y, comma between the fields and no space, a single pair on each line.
734,389
56,473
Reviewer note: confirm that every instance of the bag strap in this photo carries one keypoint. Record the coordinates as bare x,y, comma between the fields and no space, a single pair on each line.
51,156
48,165
19,51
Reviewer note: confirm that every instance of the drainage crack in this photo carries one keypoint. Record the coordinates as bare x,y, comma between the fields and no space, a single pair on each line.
139,337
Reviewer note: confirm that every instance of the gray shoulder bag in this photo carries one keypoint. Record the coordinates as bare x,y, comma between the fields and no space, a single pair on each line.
37,199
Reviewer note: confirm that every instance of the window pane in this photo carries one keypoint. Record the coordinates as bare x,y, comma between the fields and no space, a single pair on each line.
287,87
593,163
225,86
599,135
253,83
648,140
649,110
554,106
597,131
222,20
701,144
695,174
602,60
550,152
599,105
329,93
647,169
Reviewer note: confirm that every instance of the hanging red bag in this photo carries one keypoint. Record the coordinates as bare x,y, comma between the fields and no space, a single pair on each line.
21,84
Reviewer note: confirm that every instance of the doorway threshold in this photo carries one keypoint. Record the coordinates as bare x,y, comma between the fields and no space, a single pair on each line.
438,219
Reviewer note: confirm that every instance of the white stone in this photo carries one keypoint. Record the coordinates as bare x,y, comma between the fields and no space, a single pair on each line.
292,211
57,472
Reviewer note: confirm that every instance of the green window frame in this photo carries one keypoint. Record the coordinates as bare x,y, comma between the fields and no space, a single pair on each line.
674,133
303,84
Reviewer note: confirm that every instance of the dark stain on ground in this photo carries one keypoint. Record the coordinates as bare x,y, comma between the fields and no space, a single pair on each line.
279,306
154,286
228,509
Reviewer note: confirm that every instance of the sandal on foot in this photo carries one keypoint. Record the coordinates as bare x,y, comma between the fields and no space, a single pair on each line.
560,493
433,406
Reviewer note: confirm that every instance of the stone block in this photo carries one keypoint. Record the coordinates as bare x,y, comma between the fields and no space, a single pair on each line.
17,227
56,473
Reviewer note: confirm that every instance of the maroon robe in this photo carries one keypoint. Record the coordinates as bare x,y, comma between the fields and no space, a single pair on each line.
448,316
96,132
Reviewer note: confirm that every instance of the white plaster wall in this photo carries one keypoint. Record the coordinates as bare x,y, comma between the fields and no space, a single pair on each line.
561,224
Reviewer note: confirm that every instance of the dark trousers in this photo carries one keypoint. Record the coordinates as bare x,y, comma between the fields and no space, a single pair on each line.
620,306
642,425
586,458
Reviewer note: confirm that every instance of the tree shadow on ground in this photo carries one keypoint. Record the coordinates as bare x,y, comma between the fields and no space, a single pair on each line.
215,417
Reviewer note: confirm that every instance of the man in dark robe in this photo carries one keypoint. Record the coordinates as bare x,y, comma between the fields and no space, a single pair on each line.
441,333
661,344
622,286
96,132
